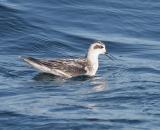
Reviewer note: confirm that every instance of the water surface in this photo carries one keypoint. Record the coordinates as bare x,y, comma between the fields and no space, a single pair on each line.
124,94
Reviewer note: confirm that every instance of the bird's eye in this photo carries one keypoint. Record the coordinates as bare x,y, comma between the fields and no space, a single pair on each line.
98,47
101,47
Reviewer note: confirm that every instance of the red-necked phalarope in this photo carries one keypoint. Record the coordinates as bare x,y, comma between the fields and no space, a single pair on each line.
71,67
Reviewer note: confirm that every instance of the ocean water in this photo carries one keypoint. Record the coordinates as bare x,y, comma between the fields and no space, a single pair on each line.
125,93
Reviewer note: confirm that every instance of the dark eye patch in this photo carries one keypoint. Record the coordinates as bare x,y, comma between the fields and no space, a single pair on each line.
98,47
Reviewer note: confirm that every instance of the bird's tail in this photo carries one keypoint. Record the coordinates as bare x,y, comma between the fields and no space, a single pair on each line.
36,63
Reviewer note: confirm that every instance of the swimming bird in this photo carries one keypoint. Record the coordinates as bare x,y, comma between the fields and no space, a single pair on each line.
71,67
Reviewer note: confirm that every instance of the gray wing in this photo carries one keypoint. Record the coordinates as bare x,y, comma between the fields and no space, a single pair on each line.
72,67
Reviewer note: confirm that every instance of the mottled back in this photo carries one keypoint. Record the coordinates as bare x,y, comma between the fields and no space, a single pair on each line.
72,67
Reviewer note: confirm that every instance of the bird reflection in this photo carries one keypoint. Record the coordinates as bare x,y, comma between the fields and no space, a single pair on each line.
99,84
51,77
46,77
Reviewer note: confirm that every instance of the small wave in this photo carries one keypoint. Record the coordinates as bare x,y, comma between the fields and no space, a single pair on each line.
144,70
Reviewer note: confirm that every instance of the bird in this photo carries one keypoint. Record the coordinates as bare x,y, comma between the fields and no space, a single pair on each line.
68,68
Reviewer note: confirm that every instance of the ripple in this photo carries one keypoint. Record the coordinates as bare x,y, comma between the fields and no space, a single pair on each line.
123,95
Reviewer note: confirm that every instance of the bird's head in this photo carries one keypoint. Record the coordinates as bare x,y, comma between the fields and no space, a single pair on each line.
97,48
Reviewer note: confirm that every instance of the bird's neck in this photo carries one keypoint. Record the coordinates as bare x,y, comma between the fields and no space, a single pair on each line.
92,63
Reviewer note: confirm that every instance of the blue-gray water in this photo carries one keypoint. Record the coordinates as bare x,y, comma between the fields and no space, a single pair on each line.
124,95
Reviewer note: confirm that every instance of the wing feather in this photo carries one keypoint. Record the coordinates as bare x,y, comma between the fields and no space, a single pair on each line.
72,67
69,67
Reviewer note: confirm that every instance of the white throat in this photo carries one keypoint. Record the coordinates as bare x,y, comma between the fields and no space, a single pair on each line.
92,63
